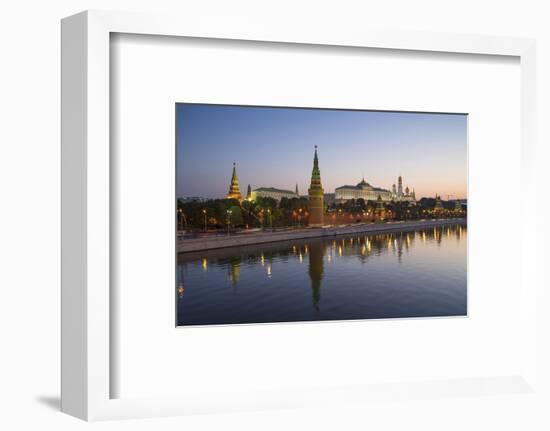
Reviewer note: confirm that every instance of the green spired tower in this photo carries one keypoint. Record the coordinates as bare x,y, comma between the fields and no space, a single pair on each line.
234,189
316,201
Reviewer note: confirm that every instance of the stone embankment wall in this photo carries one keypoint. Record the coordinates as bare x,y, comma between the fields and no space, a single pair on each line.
208,243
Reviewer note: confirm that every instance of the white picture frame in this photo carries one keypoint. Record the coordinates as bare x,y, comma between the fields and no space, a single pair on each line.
86,312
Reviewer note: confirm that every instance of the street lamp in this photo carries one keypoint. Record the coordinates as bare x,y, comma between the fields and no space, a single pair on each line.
299,216
228,212
262,218
180,211
205,223
270,219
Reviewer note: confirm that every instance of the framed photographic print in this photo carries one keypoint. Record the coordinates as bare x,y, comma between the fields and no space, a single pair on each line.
318,248
246,210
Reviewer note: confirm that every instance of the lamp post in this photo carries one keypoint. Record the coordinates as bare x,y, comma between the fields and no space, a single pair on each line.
262,218
270,219
205,223
299,217
228,212
180,211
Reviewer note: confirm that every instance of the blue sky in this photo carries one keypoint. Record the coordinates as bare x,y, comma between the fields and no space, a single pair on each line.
273,147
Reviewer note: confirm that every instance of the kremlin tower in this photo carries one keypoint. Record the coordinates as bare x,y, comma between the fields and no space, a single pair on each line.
316,201
380,211
234,190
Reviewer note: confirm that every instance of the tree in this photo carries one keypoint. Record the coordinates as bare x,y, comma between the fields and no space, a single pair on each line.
285,203
236,218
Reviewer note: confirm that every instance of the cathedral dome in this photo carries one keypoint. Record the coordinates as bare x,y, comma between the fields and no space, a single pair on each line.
363,184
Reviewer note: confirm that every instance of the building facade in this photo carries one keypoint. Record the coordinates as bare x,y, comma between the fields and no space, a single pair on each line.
367,192
362,190
400,195
316,195
272,192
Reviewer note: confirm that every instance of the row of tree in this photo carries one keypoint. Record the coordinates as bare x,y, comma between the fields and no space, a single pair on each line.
268,212
261,212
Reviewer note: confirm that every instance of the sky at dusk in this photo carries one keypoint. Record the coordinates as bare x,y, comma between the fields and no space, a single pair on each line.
273,147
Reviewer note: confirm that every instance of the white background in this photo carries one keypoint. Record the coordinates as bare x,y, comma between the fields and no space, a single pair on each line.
156,359
29,174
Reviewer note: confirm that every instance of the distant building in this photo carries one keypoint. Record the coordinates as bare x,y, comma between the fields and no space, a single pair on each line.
272,192
438,204
329,198
399,195
186,199
458,206
234,189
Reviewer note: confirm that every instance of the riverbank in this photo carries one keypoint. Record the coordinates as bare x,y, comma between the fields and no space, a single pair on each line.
187,245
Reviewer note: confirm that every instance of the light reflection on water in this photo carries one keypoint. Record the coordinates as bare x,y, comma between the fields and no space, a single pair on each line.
404,274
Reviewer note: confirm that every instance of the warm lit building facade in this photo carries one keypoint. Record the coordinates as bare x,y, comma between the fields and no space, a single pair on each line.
362,190
400,195
272,192
367,192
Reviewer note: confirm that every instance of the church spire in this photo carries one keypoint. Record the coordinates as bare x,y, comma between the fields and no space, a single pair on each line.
234,189
316,172
234,175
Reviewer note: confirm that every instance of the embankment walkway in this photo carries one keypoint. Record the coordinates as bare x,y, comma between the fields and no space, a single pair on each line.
186,245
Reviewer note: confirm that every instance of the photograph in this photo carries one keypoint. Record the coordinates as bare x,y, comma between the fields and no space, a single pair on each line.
301,214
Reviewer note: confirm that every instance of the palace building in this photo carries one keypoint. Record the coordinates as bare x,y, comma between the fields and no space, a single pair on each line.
234,189
362,190
367,192
272,192
316,195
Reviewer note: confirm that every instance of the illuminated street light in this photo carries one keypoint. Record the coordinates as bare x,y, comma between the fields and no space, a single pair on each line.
228,212
180,219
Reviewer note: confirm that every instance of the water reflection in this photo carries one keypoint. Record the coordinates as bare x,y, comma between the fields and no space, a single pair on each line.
402,274
315,270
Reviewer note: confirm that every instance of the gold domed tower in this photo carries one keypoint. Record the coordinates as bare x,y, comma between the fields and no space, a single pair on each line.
234,189
316,200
